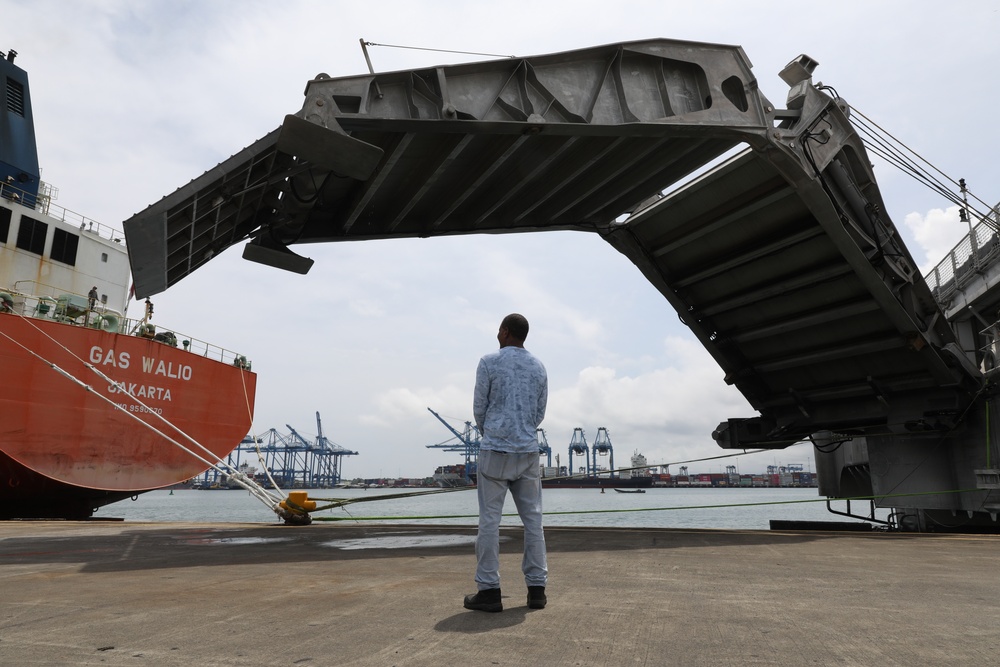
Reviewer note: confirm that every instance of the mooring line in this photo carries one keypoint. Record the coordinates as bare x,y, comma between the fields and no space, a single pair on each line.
644,509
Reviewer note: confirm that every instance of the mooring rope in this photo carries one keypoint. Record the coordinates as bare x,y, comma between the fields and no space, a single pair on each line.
340,502
642,509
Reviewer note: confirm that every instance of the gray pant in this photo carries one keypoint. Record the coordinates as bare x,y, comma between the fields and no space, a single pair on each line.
497,473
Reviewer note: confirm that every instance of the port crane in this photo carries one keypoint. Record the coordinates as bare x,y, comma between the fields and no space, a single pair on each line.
578,446
469,440
468,443
543,446
295,462
602,447
328,458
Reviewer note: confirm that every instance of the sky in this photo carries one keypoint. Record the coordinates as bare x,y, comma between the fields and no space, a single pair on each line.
134,99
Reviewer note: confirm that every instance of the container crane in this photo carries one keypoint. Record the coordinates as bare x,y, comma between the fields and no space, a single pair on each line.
578,445
328,459
298,463
469,439
543,446
602,446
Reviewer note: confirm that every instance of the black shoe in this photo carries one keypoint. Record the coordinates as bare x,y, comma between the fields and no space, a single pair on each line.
488,600
536,597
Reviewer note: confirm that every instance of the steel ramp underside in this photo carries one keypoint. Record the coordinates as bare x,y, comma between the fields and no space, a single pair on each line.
780,260
814,338
563,141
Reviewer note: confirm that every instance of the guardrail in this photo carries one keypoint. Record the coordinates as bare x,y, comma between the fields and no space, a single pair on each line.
979,250
71,309
42,202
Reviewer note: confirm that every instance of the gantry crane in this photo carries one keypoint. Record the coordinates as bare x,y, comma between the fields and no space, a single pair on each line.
578,445
295,462
602,446
327,459
469,439
543,446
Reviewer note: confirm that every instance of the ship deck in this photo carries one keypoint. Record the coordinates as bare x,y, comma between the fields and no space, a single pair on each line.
252,594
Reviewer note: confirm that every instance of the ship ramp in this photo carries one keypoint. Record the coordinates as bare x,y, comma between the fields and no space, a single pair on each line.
762,226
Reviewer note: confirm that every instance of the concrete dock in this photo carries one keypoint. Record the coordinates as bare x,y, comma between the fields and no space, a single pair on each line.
112,593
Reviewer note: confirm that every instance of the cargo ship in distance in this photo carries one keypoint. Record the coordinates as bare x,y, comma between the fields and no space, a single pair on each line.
552,477
638,476
72,441
585,482
558,476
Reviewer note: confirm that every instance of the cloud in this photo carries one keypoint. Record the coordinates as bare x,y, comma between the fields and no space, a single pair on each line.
402,404
936,233
666,413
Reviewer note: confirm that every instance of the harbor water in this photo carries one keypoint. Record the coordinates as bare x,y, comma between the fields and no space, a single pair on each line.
721,508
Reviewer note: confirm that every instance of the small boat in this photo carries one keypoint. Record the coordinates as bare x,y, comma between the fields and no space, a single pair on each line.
631,490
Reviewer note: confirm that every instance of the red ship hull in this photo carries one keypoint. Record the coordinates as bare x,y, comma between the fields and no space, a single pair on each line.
64,450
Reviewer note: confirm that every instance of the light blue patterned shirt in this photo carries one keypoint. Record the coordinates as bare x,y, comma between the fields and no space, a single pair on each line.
512,389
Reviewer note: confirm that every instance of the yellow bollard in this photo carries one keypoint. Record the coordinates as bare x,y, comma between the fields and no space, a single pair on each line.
300,500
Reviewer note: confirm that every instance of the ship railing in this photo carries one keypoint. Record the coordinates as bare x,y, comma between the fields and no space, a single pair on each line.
42,202
12,193
144,329
35,289
979,250
73,309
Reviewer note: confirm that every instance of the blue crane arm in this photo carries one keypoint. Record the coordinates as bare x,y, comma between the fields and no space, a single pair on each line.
449,426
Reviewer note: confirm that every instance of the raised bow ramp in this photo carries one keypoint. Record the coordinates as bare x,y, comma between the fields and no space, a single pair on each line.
763,227
565,141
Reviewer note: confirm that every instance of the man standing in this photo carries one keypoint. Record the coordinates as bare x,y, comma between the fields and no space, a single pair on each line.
510,397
